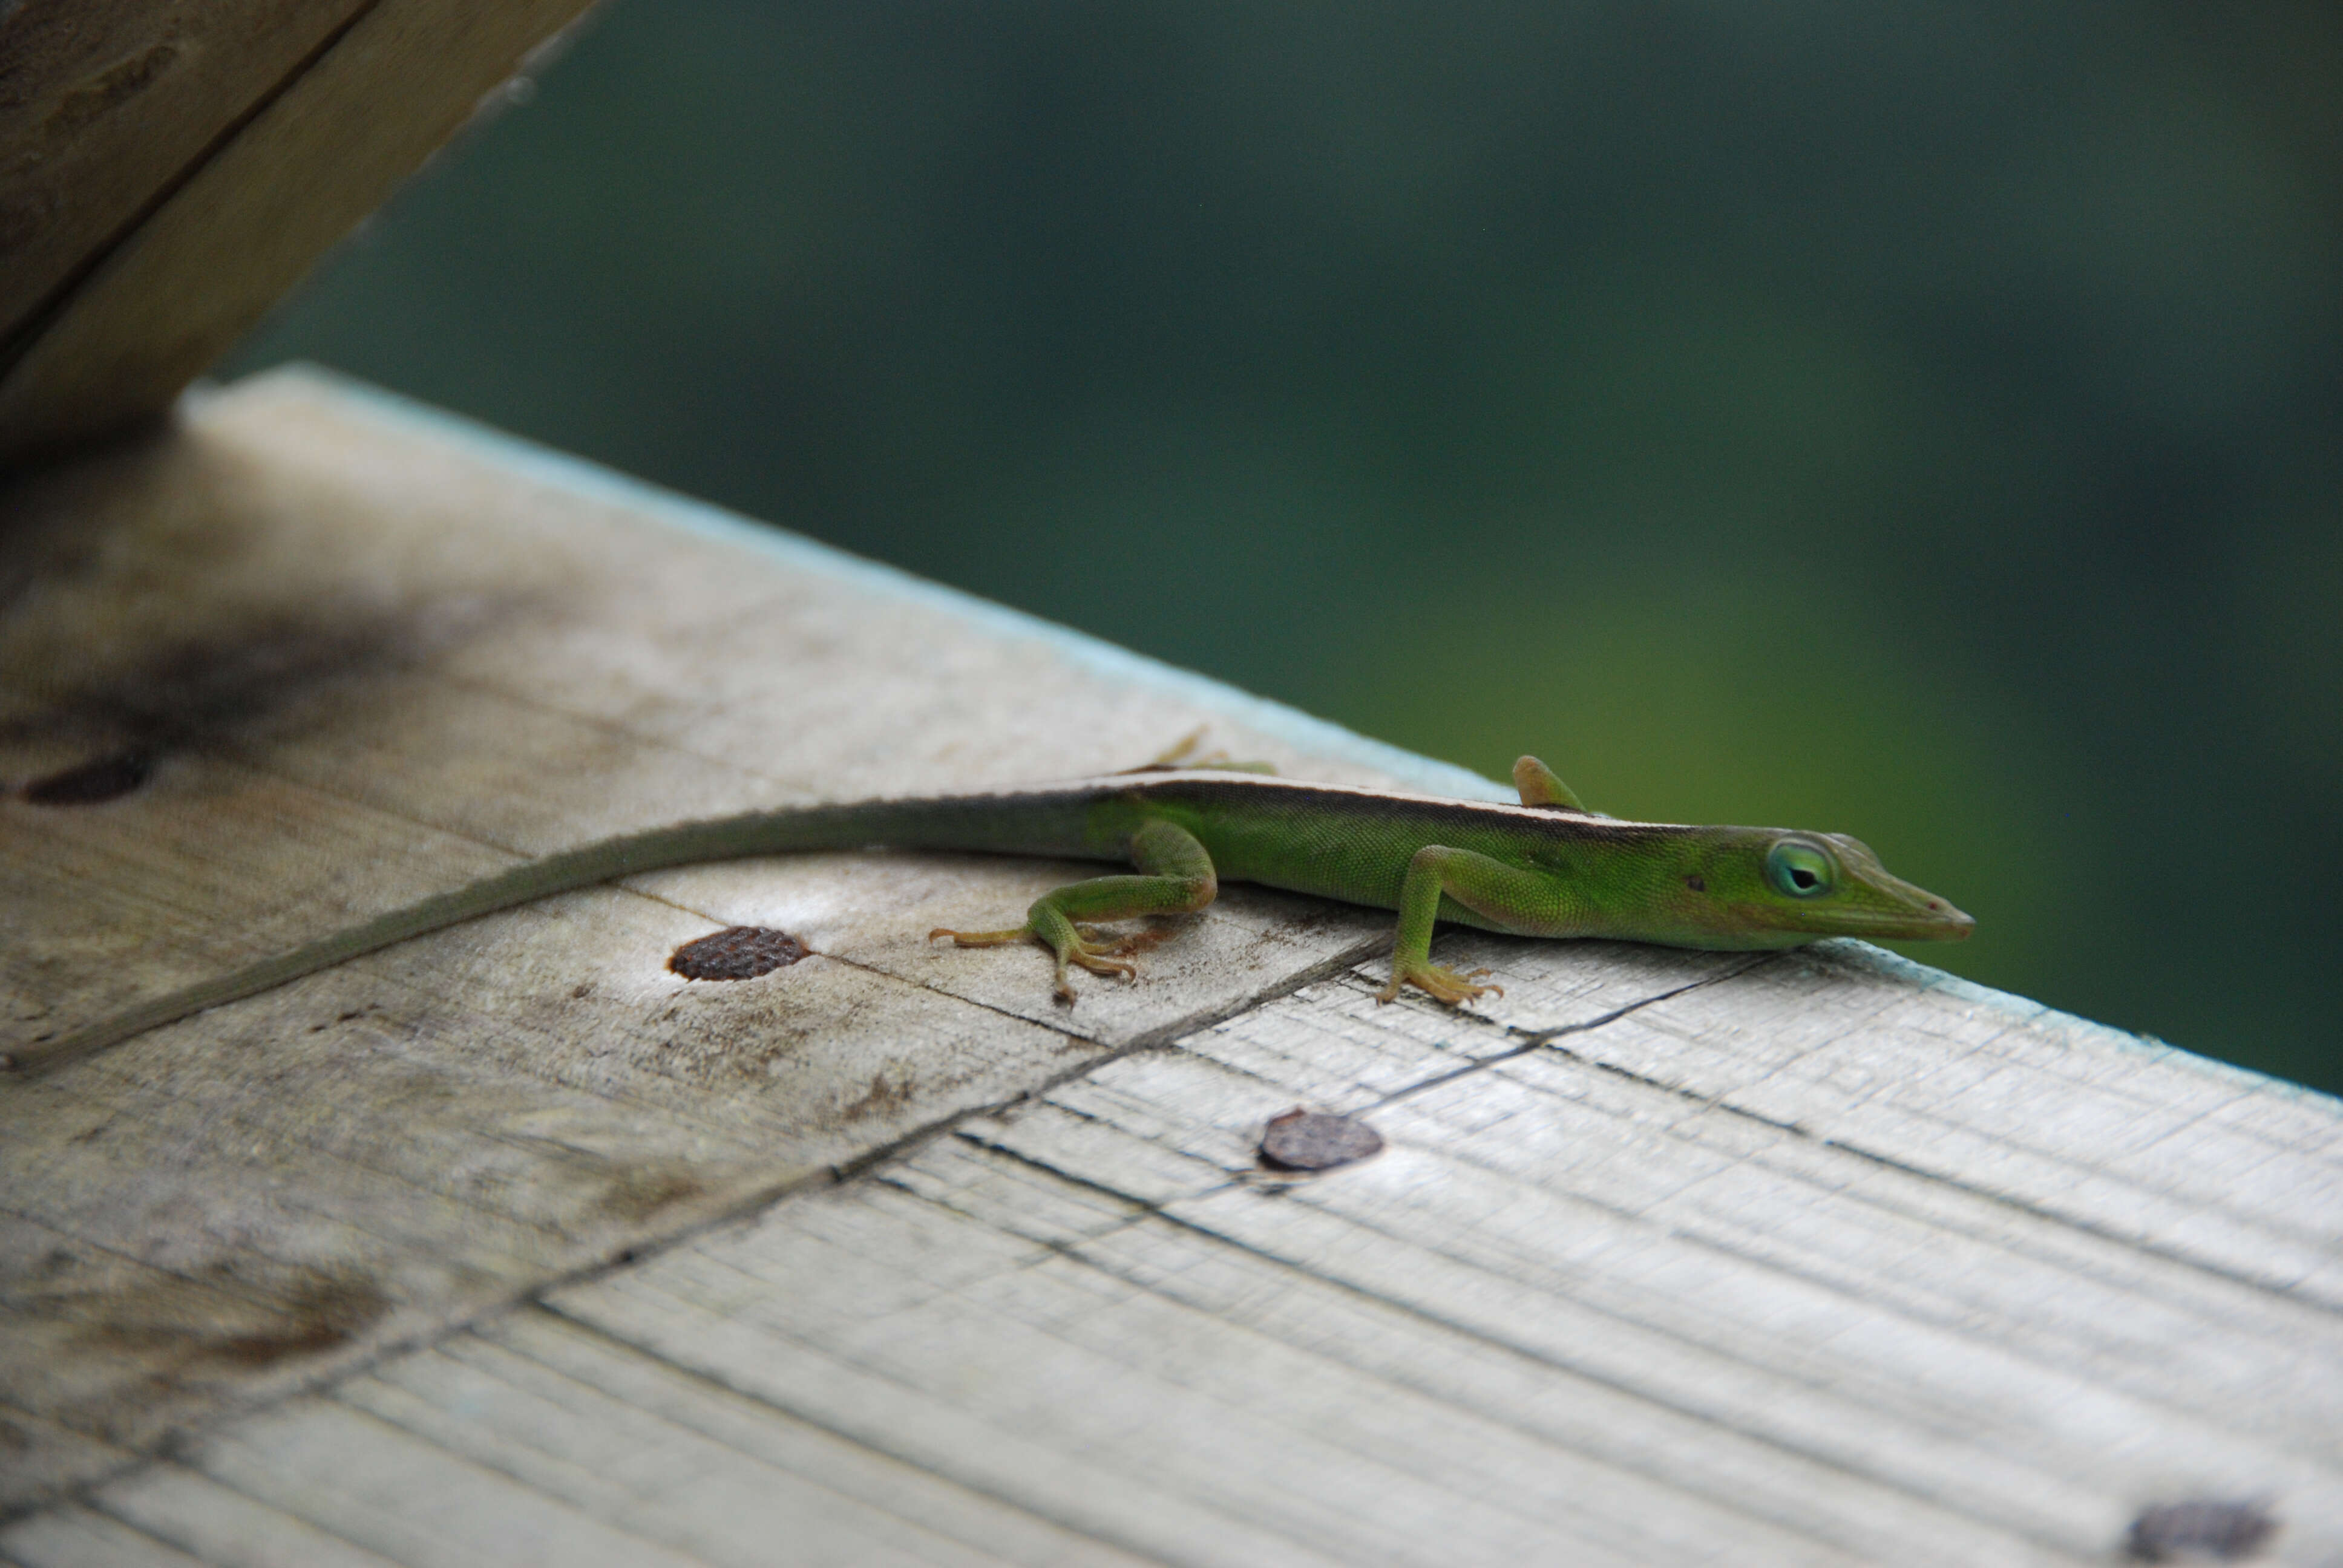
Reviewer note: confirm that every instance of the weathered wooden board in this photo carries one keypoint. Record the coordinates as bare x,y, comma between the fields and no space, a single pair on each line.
1578,1311
1574,1312
1799,1259
168,169
360,658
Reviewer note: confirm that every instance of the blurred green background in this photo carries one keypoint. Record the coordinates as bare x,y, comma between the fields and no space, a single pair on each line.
1919,421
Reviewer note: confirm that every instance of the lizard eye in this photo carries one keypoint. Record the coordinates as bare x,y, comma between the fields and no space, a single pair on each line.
1803,870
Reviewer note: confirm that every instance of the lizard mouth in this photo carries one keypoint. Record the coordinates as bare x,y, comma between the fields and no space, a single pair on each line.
1950,927
1932,920
1898,910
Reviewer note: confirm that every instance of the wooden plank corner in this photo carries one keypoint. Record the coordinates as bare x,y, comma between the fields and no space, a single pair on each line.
170,169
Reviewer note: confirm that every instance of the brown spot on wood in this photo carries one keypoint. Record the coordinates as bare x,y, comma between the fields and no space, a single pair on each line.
1317,1141
735,953
890,1090
202,686
197,1322
2208,1530
639,1191
153,640
92,783
319,1317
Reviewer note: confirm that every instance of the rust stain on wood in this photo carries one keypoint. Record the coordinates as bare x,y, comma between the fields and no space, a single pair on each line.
735,953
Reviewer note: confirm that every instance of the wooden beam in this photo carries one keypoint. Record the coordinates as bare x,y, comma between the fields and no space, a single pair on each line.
169,168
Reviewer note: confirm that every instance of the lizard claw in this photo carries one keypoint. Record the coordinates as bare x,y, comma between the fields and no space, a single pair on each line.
1101,943
1443,985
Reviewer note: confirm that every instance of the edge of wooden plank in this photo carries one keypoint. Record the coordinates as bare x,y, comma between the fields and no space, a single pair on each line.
2152,1048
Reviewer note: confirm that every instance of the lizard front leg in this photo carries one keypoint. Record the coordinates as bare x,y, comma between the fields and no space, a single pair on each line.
1506,894
1175,877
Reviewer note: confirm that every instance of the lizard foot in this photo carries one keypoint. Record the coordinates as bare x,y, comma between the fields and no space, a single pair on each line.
1099,941
1443,984
1088,945
1096,958
1100,958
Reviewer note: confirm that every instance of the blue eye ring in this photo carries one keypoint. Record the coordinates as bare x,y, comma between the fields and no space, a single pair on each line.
1802,868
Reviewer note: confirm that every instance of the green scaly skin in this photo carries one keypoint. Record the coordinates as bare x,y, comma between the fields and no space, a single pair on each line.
1545,868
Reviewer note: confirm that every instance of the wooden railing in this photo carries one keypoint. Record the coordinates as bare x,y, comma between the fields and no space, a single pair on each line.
509,1244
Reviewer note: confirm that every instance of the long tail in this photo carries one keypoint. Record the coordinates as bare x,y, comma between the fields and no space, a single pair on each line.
1035,823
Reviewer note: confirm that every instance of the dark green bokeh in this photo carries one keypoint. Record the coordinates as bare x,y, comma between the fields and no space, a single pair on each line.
1921,422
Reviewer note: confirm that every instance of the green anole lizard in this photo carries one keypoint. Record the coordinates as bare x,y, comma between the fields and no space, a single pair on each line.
1545,868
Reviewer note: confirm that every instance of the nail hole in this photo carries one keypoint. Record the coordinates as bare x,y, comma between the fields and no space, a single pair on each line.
736,952
91,782
2208,1530
1317,1141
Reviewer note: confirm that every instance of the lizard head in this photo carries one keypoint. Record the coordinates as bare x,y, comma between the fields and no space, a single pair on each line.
1785,887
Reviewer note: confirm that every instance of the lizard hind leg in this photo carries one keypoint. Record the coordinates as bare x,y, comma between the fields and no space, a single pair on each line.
1175,877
